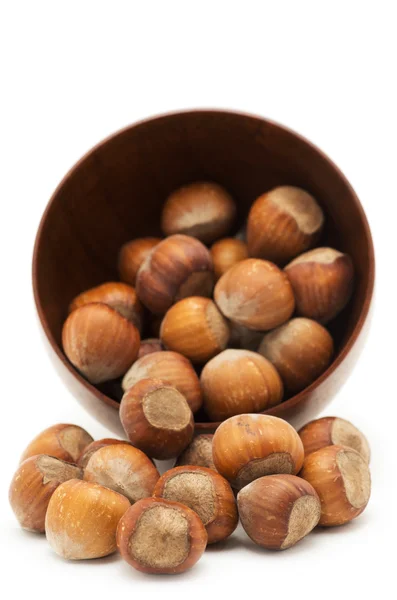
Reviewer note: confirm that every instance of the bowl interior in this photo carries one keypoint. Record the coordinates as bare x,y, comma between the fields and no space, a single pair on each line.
116,191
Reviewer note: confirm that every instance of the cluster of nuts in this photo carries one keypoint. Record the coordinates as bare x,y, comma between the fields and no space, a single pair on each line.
239,325
93,497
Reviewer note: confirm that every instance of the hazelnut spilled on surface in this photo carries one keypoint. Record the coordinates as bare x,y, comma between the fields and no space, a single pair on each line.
198,453
204,491
161,536
63,441
277,511
330,431
246,447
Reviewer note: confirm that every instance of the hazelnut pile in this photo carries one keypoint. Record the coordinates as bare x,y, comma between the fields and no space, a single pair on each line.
217,325
230,327
94,497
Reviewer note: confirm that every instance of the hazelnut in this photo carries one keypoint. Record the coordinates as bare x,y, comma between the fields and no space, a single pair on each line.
322,280
93,447
119,296
204,491
283,223
61,441
198,453
178,267
278,511
149,345
342,480
239,381
203,210
195,328
330,431
99,342
226,253
256,294
132,255
243,338
171,367
246,447
33,485
124,469
301,350
82,519
160,536
156,418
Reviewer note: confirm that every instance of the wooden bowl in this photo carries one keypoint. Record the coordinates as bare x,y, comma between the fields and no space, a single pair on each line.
115,193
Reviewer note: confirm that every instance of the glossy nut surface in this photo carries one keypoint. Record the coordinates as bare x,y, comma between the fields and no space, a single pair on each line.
283,223
342,481
330,431
93,447
195,328
119,296
204,491
277,511
226,253
132,255
255,293
32,486
124,469
171,367
157,418
322,280
82,519
99,342
301,350
204,210
64,441
160,536
237,382
246,447
178,267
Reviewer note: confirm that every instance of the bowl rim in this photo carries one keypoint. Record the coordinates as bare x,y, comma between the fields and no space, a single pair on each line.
368,293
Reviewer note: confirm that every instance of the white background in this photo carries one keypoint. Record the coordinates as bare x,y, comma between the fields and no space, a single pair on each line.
74,72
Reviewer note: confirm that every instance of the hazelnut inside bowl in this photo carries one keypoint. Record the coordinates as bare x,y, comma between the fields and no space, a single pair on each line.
115,193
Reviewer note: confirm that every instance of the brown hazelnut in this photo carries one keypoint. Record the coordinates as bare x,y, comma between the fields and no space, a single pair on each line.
132,255
195,328
99,342
243,338
283,223
62,441
278,511
198,453
119,296
33,485
149,345
322,280
330,431
301,350
160,536
256,294
82,519
204,491
93,447
124,469
246,447
342,480
156,418
226,253
203,210
239,381
178,267
171,367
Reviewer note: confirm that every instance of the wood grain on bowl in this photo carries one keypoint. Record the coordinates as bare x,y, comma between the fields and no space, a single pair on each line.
115,193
